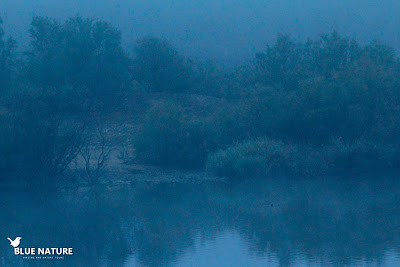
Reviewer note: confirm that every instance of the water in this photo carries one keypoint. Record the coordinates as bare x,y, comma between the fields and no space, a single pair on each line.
332,222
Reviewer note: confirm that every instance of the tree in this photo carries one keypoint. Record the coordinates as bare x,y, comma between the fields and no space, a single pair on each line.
81,52
280,65
95,154
42,143
330,87
7,48
160,68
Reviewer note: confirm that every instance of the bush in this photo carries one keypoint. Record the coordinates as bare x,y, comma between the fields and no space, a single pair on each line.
7,144
35,143
168,137
361,155
258,157
231,124
252,158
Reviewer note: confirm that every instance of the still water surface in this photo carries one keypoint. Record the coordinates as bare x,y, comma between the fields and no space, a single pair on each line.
271,223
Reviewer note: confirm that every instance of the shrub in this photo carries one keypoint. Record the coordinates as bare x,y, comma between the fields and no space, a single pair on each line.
361,155
258,157
35,140
168,137
231,124
252,158
7,144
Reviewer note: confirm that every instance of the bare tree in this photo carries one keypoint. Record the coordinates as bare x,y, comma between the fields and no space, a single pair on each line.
95,154
57,145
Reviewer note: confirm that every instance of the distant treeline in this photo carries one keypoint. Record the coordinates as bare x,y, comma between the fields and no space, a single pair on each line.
304,108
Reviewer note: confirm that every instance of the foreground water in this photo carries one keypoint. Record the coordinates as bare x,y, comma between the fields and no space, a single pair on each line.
332,222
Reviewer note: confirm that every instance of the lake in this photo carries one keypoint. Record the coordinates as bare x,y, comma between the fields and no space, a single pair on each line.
276,222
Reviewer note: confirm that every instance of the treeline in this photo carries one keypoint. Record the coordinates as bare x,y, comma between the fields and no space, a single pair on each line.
329,105
303,107
315,107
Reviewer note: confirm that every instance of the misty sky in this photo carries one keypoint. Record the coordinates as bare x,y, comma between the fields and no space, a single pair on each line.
226,30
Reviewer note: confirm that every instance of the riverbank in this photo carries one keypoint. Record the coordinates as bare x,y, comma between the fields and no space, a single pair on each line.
260,158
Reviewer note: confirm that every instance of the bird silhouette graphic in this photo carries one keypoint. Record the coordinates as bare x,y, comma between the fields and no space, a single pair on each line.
16,242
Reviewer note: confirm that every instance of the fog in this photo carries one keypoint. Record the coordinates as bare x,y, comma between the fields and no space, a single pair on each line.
229,31
200,133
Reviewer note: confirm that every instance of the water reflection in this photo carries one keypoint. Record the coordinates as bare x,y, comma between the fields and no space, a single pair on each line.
333,222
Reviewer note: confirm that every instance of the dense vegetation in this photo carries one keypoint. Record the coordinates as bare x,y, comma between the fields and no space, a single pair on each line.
305,108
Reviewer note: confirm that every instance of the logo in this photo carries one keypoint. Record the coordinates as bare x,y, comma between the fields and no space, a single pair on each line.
16,242
39,252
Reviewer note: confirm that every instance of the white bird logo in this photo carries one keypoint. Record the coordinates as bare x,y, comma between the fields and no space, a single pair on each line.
16,242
